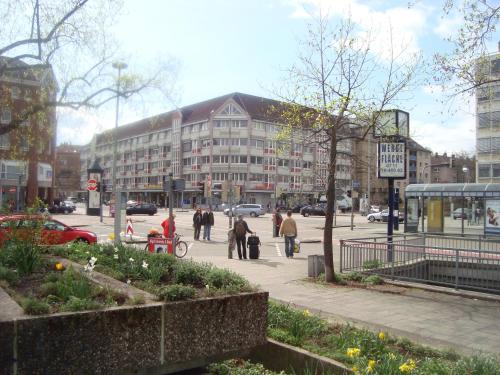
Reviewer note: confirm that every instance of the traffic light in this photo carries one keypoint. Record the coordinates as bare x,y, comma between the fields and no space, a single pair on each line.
349,193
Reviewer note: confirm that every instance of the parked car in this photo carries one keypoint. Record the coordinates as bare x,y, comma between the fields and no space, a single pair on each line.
384,216
253,210
70,204
131,203
142,208
53,231
457,213
60,208
313,210
298,207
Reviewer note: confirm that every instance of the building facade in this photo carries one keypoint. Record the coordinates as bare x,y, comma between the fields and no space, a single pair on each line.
452,169
27,153
488,122
67,171
213,145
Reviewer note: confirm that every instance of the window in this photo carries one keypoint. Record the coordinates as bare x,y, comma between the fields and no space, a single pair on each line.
186,146
259,126
487,119
6,117
231,109
256,159
205,143
15,92
257,143
496,170
484,170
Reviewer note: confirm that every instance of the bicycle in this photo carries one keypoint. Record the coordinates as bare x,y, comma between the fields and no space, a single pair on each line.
180,249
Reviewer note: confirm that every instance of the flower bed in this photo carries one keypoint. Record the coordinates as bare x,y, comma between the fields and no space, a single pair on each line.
163,275
366,352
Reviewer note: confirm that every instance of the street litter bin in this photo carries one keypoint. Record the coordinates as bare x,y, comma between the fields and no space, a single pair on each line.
315,265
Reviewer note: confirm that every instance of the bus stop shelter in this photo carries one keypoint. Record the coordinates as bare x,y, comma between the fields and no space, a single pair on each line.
453,209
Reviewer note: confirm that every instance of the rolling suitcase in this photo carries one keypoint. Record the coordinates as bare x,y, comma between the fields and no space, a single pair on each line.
253,244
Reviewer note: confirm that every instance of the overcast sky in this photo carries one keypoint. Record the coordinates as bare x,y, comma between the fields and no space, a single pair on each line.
223,46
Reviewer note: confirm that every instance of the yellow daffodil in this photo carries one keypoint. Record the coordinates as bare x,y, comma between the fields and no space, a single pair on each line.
353,352
392,356
59,266
411,364
381,336
306,313
371,365
408,366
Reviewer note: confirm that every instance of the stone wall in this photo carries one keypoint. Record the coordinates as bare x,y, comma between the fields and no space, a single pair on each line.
152,338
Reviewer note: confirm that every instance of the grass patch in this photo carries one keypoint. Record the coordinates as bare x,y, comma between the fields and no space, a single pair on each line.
240,367
177,292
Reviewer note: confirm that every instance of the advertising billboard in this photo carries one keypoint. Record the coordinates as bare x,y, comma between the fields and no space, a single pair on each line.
492,217
392,160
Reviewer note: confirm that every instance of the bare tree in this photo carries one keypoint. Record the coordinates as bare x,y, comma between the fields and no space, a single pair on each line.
334,91
61,53
466,67
68,45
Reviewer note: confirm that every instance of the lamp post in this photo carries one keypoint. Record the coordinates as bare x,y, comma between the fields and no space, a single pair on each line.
466,173
230,181
120,66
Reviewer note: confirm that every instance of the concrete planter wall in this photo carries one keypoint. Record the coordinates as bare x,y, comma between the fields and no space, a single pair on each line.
156,338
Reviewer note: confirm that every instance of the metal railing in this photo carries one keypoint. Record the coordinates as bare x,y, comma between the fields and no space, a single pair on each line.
462,263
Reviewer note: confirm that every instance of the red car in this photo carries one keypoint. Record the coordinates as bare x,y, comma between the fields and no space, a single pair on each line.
53,232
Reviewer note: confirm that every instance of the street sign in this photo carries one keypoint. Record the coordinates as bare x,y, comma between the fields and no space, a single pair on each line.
356,184
91,185
392,160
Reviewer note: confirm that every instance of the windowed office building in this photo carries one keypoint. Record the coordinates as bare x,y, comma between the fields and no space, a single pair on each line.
229,140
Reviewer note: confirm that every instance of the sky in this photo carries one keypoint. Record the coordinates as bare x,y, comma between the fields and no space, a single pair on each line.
224,46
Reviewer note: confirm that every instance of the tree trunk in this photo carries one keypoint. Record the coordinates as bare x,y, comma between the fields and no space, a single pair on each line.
330,206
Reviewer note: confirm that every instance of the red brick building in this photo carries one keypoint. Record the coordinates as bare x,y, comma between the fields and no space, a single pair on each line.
27,153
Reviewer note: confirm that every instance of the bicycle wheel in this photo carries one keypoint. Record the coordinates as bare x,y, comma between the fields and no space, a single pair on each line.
181,249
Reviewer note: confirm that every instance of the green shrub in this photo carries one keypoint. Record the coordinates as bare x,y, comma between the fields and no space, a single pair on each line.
354,276
176,292
32,306
77,304
373,280
339,279
138,299
222,279
477,365
240,367
371,264
191,273
21,254
8,275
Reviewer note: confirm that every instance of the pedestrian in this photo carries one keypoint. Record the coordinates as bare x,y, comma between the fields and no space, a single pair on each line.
166,227
277,219
240,230
288,229
197,219
207,221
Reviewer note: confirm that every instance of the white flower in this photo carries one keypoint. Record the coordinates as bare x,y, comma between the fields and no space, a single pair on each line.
87,252
116,249
131,260
128,281
145,265
90,264
207,286
115,256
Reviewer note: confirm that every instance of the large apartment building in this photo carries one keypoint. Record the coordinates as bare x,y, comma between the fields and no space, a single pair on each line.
229,138
488,121
27,153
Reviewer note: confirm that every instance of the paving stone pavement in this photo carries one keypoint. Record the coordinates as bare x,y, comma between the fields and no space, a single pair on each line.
466,325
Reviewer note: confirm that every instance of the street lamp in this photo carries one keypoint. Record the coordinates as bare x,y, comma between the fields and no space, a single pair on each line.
120,66
466,173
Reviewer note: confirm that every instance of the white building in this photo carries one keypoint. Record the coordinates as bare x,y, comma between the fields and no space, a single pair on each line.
231,137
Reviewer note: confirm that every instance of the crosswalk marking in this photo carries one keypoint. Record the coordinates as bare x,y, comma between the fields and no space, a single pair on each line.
278,251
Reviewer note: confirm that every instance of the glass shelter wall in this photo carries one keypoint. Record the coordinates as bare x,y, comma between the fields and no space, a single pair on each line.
469,209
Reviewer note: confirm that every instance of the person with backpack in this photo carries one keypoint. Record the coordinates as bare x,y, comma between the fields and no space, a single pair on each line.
207,221
289,230
240,230
197,221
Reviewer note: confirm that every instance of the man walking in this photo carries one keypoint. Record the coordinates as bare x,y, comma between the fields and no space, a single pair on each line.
288,229
240,230
197,219
207,221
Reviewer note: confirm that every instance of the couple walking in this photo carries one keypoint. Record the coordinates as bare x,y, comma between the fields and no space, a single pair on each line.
206,219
